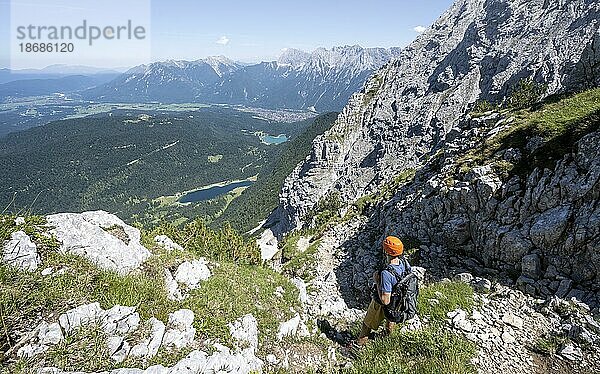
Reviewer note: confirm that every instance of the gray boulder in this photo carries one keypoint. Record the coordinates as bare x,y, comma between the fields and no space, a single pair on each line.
100,237
192,273
81,316
571,353
549,226
148,347
21,252
167,243
513,246
564,288
531,266
245,330
180,331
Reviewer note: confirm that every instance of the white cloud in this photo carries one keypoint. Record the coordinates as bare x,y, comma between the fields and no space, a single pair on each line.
223,40
420,29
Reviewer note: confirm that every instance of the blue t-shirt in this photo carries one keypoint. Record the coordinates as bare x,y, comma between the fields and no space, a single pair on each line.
388,280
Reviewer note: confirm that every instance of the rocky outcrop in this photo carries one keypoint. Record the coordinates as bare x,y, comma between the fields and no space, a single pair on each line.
100,237
542,227
178,334
268,245
21,252
479,49
167,243
120,324
188,276
507,326
116,322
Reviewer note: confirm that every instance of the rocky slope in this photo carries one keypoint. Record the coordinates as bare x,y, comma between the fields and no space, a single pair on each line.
55,326
478,50
322,80
160,327
510,195
538,224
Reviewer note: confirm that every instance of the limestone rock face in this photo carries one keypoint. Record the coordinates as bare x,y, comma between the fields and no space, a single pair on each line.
148,347
524,227
479,49
178,333
293,327
267,244
21,252
245,330
100,237
81,316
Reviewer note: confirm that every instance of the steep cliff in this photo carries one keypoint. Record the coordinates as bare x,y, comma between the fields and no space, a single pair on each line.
478,50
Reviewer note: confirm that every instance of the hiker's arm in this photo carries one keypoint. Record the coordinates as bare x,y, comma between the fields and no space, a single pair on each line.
385,297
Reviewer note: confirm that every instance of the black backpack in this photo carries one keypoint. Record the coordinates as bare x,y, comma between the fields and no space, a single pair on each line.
403,302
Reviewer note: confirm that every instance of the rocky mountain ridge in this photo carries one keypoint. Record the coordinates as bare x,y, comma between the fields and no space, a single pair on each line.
415,108
478,50
429,151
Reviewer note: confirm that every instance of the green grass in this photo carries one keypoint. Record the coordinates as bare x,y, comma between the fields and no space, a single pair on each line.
555,119
232,291
224,244
451,295
560,124
84,350
429,350
24,295
303,264
549,344
236,290
289,246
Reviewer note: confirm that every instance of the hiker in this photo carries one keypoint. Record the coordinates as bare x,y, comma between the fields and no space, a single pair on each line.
395,293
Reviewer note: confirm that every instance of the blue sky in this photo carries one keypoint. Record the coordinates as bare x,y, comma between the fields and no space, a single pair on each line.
258,30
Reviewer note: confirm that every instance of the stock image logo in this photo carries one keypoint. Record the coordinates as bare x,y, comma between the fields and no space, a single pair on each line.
48,38
79,32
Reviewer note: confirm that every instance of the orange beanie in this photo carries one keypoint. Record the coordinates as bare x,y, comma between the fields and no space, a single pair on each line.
393,246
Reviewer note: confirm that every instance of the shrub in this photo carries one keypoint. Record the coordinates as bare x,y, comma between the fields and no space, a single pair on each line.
526,94
483,106
224,244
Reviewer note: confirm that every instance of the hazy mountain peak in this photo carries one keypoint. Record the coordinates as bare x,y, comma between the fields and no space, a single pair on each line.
221,64
294,57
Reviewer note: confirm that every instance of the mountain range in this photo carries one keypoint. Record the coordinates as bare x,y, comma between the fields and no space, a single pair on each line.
322,80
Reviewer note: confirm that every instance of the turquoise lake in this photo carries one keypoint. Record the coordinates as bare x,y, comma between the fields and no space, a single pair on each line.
270,139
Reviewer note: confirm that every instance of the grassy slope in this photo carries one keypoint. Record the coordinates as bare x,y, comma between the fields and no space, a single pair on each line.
234,290
559,123
429,350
